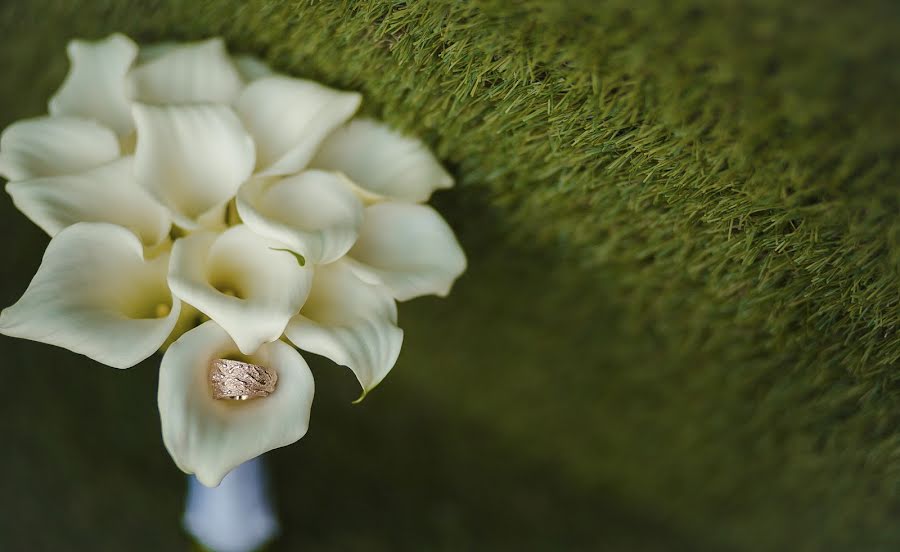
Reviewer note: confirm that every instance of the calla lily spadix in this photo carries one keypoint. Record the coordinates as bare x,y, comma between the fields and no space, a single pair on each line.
205,205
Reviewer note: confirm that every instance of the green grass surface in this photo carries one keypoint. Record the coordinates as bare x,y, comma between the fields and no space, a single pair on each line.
680,325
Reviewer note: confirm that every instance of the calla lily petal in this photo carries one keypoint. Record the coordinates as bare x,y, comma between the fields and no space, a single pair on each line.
106,194
95,294
240,280
191,158
187,73
315,213
350,322
382,161
53,146
210,437
409,248
252,68
95,87
289,117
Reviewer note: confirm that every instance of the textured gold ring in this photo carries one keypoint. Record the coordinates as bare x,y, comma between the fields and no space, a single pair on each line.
239,381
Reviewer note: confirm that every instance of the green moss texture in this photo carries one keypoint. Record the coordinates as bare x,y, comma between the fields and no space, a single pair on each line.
679,329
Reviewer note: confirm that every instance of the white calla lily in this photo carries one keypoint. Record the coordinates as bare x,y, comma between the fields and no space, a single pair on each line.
350,322
197,72
95,87
240,280
409,248
191,158
54,146
105,194
288,118
382,161
180,185
210,437
315,213
97,295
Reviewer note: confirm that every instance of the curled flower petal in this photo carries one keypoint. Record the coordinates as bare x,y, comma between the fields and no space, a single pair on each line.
241,281
252,68
53,146
382,161
95,87
106,194
192,159
289,117
210,437
409,248
350,322
315,213
187,73
95,294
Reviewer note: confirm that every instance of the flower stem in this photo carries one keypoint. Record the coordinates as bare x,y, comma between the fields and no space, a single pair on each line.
236,516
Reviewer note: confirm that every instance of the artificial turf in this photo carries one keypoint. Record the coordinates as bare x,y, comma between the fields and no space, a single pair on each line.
682,225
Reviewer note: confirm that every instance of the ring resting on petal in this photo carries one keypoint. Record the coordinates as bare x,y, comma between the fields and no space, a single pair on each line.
236,380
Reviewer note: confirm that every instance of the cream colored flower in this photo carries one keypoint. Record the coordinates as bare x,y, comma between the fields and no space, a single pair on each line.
177,181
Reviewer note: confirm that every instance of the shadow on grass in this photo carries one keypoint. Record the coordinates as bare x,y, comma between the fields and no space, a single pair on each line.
402,475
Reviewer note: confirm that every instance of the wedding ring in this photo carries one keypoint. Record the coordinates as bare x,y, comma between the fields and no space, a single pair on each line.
239,381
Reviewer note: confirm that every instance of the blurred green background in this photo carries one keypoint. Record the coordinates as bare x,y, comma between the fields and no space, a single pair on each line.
679,326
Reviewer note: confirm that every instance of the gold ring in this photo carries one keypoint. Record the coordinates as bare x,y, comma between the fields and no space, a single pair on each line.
239,381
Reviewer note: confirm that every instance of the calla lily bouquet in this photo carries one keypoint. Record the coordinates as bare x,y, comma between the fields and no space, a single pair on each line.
204,205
